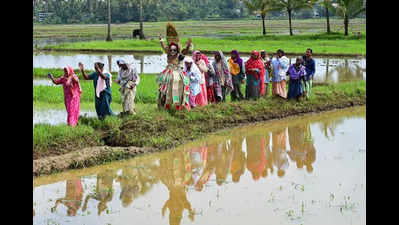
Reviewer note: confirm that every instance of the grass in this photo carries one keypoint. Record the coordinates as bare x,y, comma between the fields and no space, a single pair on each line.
47,138
163,130
198,28
146,90
322,43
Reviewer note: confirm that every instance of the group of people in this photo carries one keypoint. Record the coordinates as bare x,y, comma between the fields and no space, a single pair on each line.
128,79
192,81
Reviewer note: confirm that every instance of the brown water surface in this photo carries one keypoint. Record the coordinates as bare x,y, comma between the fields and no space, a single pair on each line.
301,170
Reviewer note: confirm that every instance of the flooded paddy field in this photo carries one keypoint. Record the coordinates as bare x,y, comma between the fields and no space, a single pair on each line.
300,170
328,69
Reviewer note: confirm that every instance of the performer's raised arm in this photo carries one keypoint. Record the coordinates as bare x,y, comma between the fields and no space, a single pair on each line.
187,48
162,44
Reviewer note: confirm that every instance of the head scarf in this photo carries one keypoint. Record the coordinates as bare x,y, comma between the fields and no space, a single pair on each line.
226,72
223,59
195,57
238,59
72,74
203,57
255,64
101,82
194,68
126,75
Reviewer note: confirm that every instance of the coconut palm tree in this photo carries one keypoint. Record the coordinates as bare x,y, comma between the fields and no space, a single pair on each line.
109,21
292,5
260,6
349,9
327,5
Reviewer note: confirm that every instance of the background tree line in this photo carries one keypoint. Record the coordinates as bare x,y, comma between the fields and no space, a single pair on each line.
123,11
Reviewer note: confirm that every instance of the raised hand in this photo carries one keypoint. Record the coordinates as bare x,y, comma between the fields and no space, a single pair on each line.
81,66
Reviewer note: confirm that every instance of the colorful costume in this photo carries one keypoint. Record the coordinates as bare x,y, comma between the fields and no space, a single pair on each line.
173,83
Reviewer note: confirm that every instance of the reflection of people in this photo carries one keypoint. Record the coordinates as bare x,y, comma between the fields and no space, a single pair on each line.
296,137
173,175
173,83
224,157
238,161
128,78
302,149
279,151
102,81
209,167
130,185
268,155
73,197
72,92
104,191
309,149
256,160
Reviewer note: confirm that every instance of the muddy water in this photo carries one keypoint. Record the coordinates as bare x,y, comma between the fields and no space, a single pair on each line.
327,69
304,170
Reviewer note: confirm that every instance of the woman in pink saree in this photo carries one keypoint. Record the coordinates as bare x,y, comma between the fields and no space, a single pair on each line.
202,62
72,92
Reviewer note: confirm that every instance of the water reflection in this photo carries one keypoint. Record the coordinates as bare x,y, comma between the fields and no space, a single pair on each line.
264,153
73,197
327,69
104,191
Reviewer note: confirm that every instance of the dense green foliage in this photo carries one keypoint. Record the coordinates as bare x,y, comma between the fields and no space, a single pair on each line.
122,11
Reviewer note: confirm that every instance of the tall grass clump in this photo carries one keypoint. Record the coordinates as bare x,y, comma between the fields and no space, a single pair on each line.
54,140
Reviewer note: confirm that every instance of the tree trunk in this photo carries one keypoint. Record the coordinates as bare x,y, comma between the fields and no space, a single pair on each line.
289,20
141,19
88,6
110,63
327,64
263,21
328,20
109,21
346,22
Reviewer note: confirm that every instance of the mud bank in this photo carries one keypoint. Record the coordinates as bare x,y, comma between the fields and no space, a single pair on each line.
97,155
84,158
